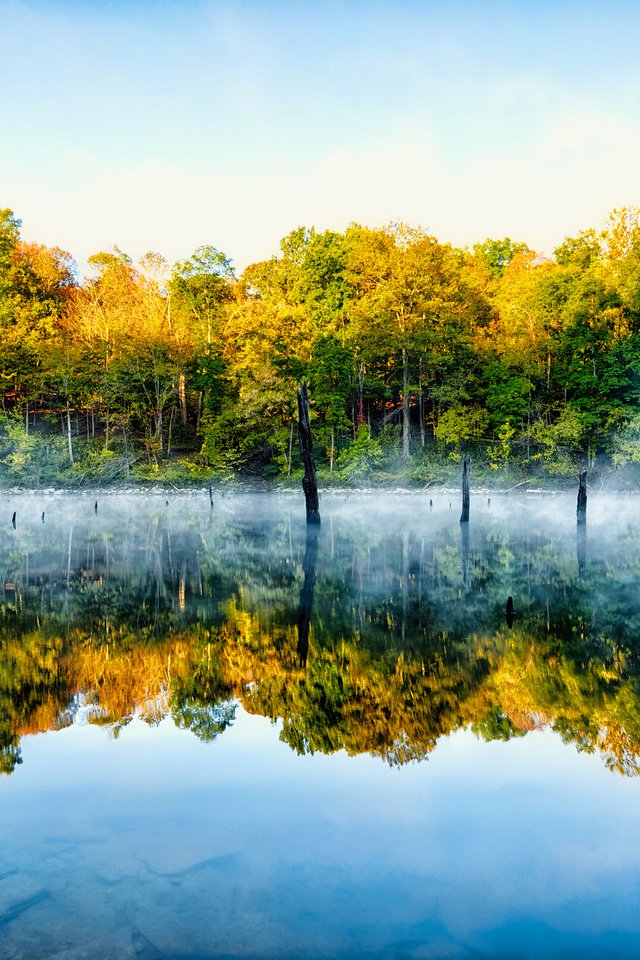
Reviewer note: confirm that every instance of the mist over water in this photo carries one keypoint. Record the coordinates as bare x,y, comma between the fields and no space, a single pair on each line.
227,736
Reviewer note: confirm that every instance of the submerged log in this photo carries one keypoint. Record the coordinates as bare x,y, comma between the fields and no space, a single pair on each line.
581,510
305,441
466,470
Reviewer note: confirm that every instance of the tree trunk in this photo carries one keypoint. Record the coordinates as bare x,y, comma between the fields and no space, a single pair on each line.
126,449
405,406
160,430
466,470
171,418
305,440
290,451
182,395
421,410
159,417
581,510
69,443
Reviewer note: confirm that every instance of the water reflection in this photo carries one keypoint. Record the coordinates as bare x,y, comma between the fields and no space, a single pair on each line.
382,632
509,613
306,593
581,549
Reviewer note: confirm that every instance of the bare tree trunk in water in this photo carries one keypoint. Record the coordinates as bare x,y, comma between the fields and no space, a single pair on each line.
466,470
309,484
581,510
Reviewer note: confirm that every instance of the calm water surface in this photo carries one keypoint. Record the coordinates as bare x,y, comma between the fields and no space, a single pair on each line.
225,738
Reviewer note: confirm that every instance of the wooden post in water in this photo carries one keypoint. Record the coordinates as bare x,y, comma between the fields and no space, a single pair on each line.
581,510
305,441
466,470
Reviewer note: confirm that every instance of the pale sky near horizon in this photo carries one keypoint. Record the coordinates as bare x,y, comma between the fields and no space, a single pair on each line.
165,125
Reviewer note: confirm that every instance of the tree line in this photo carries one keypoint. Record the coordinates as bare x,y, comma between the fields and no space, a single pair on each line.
415,353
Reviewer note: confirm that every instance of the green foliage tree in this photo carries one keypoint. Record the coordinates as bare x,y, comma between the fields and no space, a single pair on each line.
141,365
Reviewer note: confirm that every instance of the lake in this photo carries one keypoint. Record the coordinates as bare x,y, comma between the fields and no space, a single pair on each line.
224,736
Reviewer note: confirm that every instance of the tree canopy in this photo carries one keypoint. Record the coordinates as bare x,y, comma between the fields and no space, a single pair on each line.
416,353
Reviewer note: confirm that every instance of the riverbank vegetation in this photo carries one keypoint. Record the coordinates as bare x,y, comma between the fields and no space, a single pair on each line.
415,353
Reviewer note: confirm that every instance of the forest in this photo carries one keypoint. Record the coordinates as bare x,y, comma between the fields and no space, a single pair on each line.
415,352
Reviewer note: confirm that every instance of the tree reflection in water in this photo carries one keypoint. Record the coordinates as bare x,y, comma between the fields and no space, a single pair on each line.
306,593
167,614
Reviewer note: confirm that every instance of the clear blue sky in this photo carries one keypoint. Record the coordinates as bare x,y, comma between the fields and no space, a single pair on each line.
165,125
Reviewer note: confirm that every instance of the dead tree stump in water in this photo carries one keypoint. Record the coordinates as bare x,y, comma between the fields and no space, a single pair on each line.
466,470
581,510
305,442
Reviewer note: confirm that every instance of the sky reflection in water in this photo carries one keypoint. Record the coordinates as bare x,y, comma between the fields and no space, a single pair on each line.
155,843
